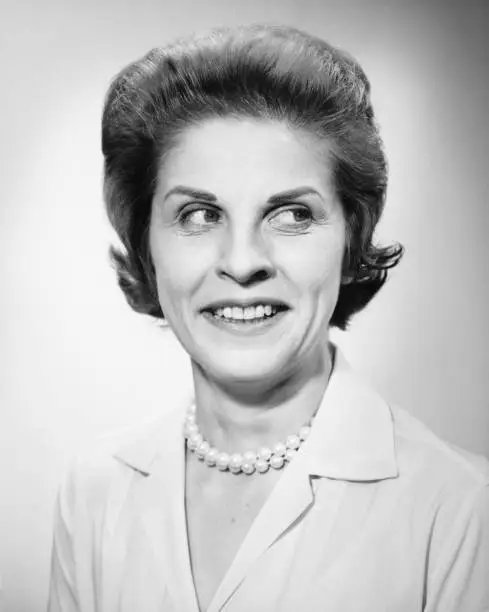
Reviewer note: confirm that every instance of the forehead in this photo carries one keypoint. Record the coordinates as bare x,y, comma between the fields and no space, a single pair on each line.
226,154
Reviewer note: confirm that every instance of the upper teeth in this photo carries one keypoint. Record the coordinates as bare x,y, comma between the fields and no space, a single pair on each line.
250,312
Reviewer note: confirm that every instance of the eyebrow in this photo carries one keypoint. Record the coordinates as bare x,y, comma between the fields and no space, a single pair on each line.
278,198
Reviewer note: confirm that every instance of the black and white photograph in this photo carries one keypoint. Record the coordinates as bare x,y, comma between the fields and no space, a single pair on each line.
244,331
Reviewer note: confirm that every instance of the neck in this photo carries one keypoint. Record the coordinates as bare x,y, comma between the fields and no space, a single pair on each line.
245,417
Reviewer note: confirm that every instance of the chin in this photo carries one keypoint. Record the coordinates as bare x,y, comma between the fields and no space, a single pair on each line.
242,368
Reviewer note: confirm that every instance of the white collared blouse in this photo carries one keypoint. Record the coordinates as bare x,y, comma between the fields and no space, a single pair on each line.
374,514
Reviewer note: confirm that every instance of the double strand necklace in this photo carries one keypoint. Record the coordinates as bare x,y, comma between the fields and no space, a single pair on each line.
261,461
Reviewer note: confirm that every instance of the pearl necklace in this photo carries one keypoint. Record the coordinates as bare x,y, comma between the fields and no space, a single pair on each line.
260,461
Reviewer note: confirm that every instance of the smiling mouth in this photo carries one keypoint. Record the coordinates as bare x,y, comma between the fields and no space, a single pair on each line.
251,315
245,327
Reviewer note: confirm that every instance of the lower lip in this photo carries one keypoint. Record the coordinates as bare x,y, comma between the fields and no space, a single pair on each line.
247,327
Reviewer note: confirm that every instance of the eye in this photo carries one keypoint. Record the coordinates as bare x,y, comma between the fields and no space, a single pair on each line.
199,217
298,216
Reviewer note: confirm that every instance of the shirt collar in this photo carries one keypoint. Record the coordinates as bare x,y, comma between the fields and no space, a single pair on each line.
353,434
352,437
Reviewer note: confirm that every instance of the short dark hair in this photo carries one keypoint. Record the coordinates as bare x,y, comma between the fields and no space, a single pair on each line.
264,71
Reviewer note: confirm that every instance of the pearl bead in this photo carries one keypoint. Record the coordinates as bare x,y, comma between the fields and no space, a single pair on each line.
247,468
190,418
191,409
235,462
293,442
194,440
202,449
211,457
304,432
222,462
249,457
290,454
264,453
279,449
277,462
262,466
190,429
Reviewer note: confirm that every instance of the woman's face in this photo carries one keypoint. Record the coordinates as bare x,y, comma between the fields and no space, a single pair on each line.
265,228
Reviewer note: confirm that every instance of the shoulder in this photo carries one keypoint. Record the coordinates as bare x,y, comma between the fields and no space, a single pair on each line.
108,466
447,493
444,491
441,470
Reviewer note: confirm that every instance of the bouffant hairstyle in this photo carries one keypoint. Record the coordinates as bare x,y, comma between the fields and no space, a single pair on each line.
260,71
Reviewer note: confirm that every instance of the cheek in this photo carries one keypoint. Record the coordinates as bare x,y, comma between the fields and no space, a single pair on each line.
179,267
315,266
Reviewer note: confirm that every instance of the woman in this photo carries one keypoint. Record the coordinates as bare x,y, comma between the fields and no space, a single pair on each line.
245,176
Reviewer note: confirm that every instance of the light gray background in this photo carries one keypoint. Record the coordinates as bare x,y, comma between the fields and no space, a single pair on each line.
75,362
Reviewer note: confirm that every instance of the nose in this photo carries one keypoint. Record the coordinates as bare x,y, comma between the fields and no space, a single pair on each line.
245,258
